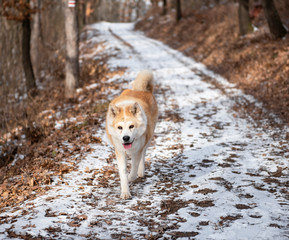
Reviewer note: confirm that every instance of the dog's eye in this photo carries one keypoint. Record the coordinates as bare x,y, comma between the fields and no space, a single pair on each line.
131,126
119,127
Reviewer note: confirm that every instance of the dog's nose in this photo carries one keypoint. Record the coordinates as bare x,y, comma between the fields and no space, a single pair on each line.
126,138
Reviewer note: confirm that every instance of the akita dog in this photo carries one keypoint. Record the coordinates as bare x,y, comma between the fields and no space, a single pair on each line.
130,122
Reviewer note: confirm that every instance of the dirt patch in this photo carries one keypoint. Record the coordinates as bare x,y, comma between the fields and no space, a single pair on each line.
183,234
243,206
204,203
172,206
223,182
226,220
205,191
256,63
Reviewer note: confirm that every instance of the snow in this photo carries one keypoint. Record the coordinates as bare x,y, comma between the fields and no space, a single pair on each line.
212,148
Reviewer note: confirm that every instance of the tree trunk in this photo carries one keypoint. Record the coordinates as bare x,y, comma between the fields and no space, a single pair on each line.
275,25
138,8
26,58
165,6
245,24
35,36
72,52
84,13
178,10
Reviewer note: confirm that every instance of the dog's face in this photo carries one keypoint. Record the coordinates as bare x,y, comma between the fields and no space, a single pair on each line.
126,122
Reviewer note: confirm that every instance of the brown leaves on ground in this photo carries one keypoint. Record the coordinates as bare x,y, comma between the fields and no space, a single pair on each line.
256,63
38,150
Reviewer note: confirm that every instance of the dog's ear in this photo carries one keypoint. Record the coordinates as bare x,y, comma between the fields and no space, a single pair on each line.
135,108
113,110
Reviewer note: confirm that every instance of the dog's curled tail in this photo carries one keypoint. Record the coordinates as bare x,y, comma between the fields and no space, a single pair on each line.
144,81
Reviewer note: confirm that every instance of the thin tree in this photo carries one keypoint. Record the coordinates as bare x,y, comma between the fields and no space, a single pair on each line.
26,58
72,52
155,8
21,11
138,6
275,25
35,36
178,10
245,25
165,7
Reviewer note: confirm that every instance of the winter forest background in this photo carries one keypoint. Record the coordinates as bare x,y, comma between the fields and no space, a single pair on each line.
47,23
47,36
218,163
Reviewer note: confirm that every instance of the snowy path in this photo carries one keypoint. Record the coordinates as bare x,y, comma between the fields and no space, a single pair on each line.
210,174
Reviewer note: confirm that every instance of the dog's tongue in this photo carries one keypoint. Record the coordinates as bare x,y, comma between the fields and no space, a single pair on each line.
127,146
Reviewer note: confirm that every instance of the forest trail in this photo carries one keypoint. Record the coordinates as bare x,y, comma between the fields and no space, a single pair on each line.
210,174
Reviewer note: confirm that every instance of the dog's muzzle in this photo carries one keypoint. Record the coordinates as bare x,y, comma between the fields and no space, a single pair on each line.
126,139
127,143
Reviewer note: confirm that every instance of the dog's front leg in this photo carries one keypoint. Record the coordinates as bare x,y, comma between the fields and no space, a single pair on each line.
141,167
135,160
124,187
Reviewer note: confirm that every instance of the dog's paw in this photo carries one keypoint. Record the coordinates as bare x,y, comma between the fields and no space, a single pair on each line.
141,173
125,195
131,178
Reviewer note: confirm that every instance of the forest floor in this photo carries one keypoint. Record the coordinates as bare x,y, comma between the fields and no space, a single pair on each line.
212,169
255,63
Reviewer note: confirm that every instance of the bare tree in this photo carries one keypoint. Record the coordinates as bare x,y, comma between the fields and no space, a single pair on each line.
245,24
165,7
21,11
35,36
178,10
26,58
72,52
138,8
155,8
275,25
